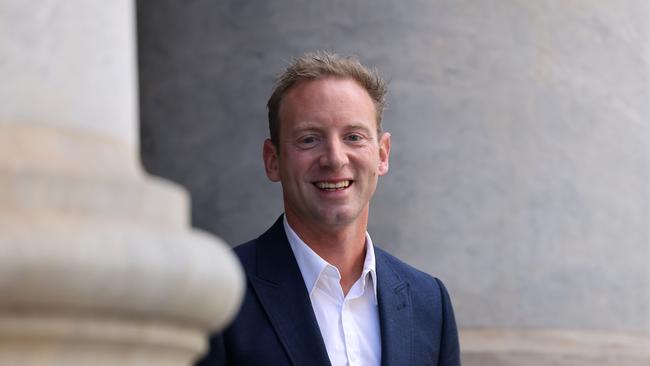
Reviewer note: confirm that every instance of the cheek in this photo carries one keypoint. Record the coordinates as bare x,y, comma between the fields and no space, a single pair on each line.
298,168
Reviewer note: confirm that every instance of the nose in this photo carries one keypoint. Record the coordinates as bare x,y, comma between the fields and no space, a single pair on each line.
334,155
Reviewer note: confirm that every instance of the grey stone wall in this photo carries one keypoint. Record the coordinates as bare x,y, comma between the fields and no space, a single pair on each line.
521,149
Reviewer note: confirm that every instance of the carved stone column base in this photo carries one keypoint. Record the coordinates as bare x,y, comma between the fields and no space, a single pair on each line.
40,339
98,265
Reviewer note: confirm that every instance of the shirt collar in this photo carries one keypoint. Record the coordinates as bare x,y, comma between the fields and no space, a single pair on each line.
312,265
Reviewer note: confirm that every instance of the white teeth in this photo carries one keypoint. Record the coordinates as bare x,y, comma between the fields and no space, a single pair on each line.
331,185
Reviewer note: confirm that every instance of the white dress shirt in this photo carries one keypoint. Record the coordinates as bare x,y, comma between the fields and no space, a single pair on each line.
348,324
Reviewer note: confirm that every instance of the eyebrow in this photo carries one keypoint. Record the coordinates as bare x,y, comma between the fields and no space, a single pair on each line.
305,126
314,126
359,126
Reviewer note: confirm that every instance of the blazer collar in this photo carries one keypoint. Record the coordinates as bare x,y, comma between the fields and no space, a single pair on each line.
281,291
279,285
311,265
395,313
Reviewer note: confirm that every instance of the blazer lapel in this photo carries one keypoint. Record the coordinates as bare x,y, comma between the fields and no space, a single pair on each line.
395,314
281,290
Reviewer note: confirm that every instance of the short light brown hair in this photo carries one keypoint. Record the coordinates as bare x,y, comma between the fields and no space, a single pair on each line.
318,65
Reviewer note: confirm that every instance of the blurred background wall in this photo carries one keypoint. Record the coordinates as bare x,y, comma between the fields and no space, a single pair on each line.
520,166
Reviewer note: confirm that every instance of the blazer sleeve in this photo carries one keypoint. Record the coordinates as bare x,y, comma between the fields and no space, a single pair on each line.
449,345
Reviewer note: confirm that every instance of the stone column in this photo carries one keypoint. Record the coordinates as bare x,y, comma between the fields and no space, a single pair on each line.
98,265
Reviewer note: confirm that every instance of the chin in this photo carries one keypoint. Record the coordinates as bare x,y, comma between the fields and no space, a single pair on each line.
338,218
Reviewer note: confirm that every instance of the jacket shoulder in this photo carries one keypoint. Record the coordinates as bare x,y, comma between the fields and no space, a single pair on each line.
427,292
405,271
432,315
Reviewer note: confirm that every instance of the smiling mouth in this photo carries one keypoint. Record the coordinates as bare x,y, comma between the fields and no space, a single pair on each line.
333,186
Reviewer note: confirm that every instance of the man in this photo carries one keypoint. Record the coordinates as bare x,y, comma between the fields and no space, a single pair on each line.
319,292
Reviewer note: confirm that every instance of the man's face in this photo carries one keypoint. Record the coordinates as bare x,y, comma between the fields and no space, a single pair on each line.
329,155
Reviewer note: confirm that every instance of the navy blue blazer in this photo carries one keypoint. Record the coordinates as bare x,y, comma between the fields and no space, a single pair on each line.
277,326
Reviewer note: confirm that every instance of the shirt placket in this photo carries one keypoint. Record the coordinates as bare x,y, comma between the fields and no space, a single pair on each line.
350,327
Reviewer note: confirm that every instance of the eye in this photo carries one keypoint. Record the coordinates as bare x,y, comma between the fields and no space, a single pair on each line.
307,141
354,137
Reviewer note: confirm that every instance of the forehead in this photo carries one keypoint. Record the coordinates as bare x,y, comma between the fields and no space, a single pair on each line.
327,100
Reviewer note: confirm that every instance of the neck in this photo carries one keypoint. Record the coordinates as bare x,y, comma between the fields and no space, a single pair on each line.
342,246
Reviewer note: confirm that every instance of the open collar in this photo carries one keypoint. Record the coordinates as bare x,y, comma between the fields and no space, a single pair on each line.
312,266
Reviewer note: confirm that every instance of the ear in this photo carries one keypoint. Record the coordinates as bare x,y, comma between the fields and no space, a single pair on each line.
384,152
271,163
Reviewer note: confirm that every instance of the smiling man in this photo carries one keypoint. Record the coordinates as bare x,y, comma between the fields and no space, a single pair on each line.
319,292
